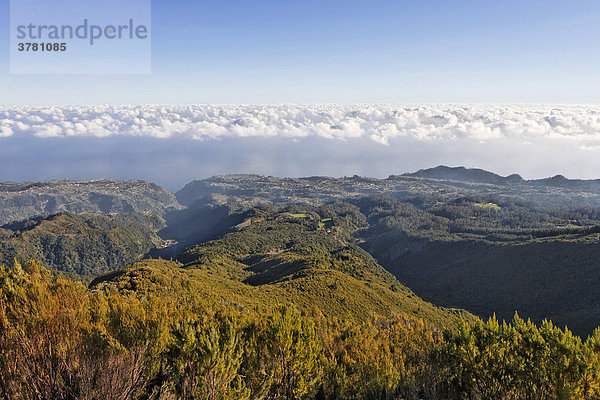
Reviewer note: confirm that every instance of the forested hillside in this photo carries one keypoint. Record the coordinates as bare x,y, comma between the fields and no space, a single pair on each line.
492,257
160,331
310,288
85,244
245,316
459,237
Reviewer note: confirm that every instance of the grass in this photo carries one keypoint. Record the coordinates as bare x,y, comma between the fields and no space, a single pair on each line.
326,223
488,205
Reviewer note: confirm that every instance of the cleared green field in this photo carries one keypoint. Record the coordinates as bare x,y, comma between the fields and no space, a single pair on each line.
326,223
488,205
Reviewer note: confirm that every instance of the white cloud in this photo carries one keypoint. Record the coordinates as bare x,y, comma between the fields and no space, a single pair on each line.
379,123
5,131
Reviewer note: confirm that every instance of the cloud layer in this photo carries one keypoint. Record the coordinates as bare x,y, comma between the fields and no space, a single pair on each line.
379,123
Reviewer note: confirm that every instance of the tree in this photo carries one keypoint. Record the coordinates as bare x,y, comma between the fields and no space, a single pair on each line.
285,356
204,359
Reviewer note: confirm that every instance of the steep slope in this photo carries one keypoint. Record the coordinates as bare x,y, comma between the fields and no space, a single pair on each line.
551,278
85,244
198,223
306,259
491,257
19,201
458,237
464,238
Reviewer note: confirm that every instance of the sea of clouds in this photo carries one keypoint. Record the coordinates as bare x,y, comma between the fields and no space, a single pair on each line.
174,144
379,123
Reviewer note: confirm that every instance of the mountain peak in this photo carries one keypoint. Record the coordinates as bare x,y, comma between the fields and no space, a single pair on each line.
463,174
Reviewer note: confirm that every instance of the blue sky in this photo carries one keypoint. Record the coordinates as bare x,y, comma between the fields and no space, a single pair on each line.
345,51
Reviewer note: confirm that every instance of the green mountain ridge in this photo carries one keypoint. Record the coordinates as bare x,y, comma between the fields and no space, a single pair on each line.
458,237
439,236
309,288
84,244
284,305
279,258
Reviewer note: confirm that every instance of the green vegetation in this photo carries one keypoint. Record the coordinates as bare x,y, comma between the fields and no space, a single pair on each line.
83,244
510,246
326,223
59,339
291,289
490,260
280,260
488,205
